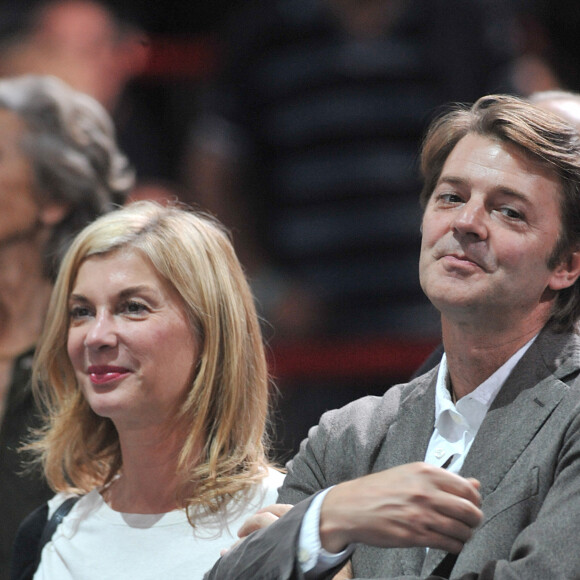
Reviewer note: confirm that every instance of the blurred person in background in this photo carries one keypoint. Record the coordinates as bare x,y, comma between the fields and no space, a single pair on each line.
60,167
95,48
552,48
563,103
306,146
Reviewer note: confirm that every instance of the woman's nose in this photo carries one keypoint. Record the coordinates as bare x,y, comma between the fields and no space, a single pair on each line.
102,331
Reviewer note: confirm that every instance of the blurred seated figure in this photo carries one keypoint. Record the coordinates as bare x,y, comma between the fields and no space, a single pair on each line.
60,167
306,147
154,378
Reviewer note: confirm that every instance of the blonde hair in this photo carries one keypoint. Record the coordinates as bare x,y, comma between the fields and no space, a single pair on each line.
227,405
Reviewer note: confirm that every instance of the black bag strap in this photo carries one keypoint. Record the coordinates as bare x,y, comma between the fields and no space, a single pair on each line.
33,534
51,525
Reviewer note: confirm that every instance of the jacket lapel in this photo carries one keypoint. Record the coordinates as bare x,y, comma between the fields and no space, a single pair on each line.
525,401
407,439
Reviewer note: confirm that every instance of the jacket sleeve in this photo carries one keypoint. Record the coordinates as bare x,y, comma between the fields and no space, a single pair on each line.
268,554
343,446
272,553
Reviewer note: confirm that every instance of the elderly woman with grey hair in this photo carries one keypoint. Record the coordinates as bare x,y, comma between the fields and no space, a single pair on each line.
60,168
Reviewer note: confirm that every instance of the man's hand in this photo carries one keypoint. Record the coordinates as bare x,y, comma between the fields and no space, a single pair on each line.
410,505
261,519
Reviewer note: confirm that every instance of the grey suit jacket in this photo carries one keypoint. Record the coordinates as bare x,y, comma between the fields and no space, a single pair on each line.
526,456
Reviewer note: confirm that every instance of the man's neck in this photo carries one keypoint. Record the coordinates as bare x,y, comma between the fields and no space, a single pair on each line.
474,355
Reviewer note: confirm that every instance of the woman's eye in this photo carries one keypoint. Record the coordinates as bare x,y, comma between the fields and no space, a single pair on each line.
133,307
77,312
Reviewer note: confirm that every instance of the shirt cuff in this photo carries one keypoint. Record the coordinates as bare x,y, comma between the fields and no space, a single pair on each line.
311,555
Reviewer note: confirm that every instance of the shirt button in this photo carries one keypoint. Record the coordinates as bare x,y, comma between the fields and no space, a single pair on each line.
439,453
303,555
457,418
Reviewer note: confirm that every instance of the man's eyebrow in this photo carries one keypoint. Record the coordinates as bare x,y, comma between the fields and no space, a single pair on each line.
514,193
452,179
461,181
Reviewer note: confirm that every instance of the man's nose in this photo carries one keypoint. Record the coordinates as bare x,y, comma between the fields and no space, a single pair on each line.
471,218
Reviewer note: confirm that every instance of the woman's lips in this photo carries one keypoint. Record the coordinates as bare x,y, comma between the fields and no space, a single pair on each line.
104,374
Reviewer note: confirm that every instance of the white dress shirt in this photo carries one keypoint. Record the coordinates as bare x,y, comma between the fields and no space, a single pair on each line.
456,426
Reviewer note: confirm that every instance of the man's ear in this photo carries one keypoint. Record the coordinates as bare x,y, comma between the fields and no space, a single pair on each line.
53,212
566,273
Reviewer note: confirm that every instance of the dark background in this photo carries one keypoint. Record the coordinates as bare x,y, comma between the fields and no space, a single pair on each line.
183,38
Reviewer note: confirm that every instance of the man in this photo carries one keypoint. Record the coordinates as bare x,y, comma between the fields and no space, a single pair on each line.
566,104
479,459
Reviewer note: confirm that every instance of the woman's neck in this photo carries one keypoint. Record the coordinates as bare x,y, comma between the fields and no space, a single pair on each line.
148,480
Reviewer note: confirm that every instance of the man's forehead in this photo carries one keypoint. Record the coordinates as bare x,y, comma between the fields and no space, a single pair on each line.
497,156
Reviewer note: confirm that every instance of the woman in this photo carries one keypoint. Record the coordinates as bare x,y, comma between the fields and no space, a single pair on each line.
153,373
60,167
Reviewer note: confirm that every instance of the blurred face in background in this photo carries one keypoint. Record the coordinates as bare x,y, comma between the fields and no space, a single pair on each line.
19,211
25,214
80,42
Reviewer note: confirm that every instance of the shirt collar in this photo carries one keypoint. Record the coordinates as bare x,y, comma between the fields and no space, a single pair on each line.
475,405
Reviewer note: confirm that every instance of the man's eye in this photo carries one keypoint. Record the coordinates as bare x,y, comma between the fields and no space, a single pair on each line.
449,197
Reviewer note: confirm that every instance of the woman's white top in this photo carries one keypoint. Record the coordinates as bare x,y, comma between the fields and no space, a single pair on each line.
95,542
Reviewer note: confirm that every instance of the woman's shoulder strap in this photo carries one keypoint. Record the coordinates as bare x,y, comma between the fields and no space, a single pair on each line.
57,517
33,534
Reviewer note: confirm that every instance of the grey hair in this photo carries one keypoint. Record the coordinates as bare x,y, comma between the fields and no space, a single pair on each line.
71,144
